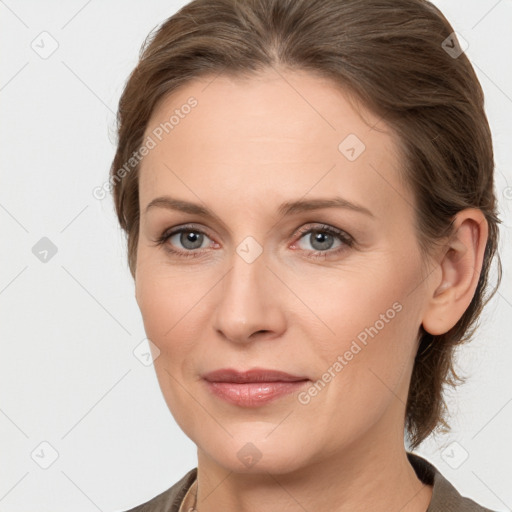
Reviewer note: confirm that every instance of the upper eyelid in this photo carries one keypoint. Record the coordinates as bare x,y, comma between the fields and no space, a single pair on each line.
186,227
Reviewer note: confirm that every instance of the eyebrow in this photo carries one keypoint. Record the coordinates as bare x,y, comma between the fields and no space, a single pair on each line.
285,209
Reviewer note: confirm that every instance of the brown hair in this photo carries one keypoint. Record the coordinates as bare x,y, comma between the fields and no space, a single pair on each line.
399,59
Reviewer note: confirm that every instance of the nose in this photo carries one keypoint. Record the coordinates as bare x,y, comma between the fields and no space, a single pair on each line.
250,302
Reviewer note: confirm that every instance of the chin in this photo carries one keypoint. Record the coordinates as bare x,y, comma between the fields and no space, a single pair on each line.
253,450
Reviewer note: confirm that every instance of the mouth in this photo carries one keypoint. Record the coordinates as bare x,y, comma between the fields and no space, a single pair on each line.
251,376
252,388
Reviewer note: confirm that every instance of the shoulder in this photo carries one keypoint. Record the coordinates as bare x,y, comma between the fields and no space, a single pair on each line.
169,500
445,497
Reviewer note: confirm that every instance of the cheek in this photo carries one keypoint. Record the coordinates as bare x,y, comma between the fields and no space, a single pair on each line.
173,307
363,368
161,305
369,322
167,309
353,304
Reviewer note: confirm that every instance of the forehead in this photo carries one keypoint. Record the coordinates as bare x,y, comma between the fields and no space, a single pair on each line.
274,131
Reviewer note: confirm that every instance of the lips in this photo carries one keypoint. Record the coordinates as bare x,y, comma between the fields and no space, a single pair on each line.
253,375
253,388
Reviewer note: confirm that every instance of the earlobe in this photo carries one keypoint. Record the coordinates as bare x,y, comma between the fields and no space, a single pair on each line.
460,266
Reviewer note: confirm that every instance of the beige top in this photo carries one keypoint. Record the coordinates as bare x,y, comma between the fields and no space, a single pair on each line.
187,505
445,498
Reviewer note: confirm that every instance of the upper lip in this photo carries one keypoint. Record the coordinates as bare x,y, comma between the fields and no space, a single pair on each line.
253,375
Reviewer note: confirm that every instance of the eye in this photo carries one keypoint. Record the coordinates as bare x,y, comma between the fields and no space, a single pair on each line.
322,239
189,238
192,242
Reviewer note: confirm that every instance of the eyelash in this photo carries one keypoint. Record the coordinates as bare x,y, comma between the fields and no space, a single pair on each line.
346,239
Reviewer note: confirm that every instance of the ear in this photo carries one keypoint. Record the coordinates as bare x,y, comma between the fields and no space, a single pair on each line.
460,264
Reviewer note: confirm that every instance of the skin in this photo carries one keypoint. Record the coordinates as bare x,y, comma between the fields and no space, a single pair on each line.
247,147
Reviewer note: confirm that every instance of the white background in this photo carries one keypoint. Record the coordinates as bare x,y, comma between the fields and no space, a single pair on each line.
68,375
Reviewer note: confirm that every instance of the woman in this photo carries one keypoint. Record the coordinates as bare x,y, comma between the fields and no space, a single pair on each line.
307,193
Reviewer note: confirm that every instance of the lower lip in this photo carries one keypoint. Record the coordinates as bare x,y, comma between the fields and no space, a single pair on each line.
254,394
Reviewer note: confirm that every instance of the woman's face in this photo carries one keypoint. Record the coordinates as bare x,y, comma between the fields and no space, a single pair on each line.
269,279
